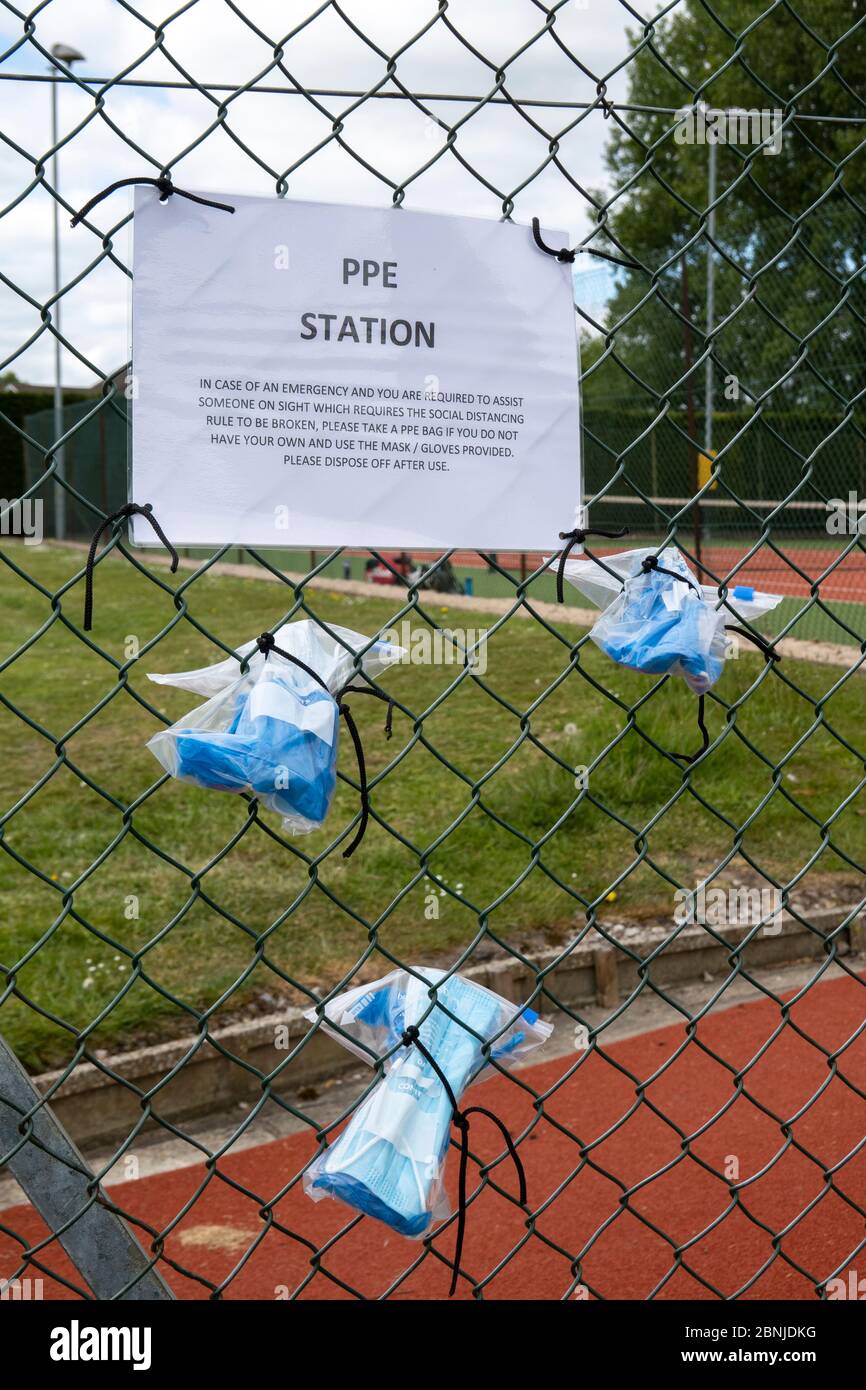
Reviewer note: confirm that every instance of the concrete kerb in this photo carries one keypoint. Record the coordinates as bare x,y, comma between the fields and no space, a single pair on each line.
95,1107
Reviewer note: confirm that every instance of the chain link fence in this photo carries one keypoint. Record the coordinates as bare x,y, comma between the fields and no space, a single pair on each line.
696,1128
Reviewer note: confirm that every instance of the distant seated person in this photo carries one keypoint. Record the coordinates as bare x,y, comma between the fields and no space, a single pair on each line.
442,579
386,570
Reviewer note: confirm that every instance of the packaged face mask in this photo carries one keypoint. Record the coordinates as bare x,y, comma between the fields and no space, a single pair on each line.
660,622
389,1160
272,732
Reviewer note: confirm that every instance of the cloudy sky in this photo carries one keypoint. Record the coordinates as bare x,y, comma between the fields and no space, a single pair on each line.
210,43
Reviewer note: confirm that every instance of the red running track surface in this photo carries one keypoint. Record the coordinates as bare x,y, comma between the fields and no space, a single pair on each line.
766,570
790,573
784,1132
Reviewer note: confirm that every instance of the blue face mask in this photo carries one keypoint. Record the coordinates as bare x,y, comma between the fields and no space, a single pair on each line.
657,618
273,733
281,744
660,623
389,1161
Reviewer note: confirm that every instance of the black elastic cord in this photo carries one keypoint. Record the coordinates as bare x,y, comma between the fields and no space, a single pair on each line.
761,643
769,651
652,563
377,695
705,737
266,644
565,254
362,781
166,189
359,754
577,537
460,1118
131,509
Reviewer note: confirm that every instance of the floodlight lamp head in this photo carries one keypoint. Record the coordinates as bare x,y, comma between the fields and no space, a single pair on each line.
65,54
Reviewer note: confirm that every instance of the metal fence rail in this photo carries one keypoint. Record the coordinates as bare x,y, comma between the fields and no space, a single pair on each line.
787,324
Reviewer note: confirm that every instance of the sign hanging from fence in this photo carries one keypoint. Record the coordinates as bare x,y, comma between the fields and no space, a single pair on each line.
311,374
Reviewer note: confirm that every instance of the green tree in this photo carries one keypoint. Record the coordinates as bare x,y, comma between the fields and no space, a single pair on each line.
790,227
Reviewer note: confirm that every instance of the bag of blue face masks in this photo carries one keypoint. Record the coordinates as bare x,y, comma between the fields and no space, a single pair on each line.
657,618
272,732
660,622
389,1160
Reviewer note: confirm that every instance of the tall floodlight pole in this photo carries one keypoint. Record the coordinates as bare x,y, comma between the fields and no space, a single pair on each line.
64,54
711,297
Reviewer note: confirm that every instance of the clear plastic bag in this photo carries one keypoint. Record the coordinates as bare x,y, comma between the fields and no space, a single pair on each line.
331,655
654,622
389,1160
273,731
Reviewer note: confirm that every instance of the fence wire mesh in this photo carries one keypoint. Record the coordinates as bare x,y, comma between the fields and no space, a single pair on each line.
529,822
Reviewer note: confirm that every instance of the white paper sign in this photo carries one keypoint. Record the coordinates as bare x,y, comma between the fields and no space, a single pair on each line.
310,374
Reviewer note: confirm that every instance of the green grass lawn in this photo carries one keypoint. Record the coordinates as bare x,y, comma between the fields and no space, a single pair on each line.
127,922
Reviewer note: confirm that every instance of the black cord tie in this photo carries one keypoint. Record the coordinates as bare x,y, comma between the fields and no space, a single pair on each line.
359,753
460,1118
377,695
652,563
565,254
362,781
705,737
267,644
769,651
577,537
131,509
166,189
